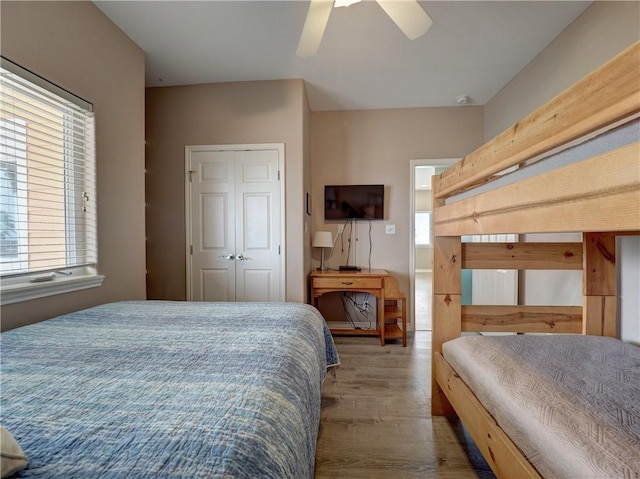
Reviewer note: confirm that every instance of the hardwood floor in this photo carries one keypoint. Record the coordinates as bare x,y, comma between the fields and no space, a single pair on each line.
376,420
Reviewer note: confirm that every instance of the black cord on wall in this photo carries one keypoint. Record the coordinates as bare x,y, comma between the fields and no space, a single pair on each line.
370,245
350,222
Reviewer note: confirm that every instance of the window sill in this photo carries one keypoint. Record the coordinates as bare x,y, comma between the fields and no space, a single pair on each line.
17,293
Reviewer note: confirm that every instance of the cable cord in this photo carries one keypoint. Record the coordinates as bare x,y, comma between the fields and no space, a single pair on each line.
357,238
364,309
370,245
347,314
335,240
351,227
350,223
348,241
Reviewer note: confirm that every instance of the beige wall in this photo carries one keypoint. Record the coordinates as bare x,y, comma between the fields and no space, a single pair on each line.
213,114
307,185
602,31
75,46
376,146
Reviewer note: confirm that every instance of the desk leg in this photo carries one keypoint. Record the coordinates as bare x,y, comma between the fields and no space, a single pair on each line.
380,309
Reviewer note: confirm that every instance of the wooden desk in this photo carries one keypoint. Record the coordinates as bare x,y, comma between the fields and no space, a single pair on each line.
365,281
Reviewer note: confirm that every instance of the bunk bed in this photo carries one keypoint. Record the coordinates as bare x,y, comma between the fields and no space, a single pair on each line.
573,165
153,389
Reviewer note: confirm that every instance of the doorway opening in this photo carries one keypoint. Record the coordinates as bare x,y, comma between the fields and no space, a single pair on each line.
421,239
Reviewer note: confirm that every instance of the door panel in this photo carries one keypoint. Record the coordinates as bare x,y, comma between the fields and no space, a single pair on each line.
212,170
255,166
255,170
214,221
257,285
257,221
257,226
235,225
215,285
212,226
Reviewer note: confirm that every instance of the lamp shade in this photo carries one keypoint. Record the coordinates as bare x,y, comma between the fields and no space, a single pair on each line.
322,239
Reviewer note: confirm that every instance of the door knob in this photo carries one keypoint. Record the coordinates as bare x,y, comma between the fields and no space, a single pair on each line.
240,257
227,256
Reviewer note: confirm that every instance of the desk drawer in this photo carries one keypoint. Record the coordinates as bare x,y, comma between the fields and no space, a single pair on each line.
347,283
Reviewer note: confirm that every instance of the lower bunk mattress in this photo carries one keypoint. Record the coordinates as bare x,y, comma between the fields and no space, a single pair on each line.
168,389
570,403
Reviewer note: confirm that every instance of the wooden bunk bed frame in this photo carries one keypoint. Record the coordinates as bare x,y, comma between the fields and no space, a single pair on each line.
601,203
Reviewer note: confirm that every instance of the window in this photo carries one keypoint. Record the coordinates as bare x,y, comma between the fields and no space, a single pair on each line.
48,240
423,228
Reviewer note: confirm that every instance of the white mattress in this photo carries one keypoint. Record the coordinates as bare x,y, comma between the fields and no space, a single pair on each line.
571,403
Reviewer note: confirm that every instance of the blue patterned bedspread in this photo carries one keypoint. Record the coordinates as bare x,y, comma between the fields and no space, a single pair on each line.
168,389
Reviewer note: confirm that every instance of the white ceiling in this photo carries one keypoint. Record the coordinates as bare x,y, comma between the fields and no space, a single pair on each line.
473,48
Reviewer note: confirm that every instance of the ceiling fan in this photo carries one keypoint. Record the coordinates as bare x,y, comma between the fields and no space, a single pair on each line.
407,14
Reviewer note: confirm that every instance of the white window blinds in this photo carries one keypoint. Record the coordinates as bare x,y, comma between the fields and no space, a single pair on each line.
47,176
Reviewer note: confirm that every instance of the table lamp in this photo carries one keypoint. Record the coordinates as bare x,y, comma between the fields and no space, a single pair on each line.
322,240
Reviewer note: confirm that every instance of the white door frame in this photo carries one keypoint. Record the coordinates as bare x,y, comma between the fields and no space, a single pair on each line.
412,229
187,196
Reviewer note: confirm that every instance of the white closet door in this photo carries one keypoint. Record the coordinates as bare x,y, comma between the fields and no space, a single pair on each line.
213,233
257,226
235,225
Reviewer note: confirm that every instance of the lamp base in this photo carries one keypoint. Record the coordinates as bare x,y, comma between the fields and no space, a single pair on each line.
322,266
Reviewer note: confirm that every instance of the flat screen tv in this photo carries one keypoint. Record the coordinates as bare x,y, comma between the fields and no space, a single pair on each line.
361,202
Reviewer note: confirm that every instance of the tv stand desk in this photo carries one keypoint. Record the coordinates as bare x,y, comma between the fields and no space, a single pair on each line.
364,281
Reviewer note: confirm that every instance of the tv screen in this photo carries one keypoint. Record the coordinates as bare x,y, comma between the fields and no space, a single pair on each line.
364,202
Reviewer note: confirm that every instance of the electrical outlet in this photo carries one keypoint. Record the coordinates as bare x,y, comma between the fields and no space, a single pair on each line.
340,229
390,229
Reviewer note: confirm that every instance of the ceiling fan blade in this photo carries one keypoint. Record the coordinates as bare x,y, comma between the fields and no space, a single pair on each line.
408,15
314,25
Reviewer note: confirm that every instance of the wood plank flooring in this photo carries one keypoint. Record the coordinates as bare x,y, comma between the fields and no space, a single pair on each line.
376,420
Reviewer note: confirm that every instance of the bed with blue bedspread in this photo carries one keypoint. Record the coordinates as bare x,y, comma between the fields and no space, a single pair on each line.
168,389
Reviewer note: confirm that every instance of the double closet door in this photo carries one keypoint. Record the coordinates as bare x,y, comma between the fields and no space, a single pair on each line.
234,223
